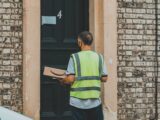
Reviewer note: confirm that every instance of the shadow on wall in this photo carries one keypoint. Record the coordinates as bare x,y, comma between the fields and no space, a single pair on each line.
109,114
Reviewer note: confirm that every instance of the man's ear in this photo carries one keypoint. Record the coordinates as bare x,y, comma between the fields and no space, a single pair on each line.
79,43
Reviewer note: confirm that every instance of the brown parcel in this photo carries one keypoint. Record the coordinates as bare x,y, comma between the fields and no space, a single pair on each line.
54,72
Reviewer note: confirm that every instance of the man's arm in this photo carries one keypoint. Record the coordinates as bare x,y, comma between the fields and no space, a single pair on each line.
104,77
69,79
70,73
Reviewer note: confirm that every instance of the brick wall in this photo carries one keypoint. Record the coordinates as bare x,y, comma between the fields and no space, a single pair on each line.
11,54
136,49
136,59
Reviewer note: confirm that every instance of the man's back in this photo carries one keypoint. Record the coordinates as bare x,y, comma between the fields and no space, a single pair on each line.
89,63
85,103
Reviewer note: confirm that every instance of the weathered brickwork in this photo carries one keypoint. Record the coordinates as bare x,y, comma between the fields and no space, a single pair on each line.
11,54
136,59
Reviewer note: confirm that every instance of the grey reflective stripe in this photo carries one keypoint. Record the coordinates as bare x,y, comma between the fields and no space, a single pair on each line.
78,64
100,64
88,78
86,88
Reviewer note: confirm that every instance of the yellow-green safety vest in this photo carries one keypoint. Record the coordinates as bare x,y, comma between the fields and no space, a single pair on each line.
88,70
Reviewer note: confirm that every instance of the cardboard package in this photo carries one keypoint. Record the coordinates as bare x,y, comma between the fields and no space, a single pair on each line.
54,72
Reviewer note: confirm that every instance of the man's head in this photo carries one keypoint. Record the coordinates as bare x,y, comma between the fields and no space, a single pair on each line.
85,39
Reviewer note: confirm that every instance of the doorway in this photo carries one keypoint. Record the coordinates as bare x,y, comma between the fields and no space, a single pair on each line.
61,21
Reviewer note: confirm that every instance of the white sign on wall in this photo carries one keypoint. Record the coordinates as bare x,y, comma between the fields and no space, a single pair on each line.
49,20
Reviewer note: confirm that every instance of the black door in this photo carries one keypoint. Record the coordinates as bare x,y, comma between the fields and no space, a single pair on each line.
62,20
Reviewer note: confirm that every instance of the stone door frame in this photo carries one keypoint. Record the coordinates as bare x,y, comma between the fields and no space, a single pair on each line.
103,25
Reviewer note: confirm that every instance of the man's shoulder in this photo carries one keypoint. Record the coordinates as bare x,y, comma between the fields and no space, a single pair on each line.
81,52
76,53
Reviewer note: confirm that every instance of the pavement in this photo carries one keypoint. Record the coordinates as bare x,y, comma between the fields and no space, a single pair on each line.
6,114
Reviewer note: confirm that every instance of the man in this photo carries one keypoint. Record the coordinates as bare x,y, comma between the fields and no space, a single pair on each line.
86,70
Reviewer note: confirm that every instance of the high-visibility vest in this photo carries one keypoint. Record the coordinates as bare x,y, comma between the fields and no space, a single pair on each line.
88,70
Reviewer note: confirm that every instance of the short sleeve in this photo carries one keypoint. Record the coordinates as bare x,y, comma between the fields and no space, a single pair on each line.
70,68
105,72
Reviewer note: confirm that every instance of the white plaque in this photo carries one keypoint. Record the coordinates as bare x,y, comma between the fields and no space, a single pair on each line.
49,20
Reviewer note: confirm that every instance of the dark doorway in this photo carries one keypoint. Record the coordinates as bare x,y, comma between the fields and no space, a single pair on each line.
62,20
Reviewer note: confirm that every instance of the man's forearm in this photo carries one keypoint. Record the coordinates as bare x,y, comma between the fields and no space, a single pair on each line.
69,79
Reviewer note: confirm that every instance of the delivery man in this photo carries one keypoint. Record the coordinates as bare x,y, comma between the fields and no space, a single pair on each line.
86,70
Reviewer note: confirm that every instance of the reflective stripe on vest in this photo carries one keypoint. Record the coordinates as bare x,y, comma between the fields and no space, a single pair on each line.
85,88
78,64
100,64
88,78
88,85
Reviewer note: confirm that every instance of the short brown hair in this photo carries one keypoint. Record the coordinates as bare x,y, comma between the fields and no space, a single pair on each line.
86,37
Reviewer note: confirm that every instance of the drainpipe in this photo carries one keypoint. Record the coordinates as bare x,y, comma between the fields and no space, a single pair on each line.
156,60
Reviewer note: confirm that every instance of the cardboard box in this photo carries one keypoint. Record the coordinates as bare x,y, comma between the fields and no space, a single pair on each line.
54,72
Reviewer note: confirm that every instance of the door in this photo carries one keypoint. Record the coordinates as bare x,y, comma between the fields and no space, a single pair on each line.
62,20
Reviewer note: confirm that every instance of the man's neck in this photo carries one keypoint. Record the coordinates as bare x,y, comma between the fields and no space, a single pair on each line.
86,48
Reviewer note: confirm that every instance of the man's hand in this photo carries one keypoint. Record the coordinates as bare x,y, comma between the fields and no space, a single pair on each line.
69,79
61,80
104,78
